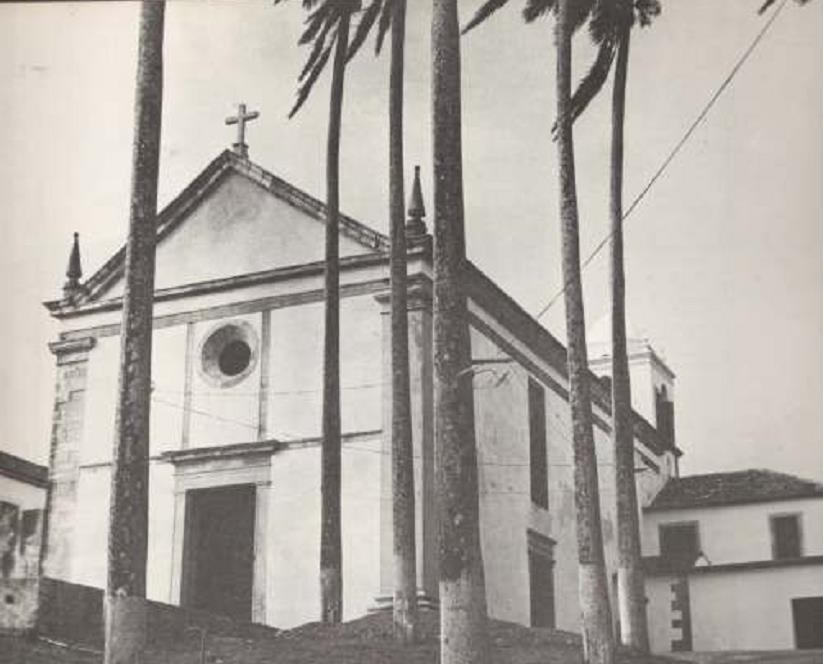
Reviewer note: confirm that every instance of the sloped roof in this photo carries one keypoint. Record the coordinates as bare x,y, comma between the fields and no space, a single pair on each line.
176,212
735,488
23,470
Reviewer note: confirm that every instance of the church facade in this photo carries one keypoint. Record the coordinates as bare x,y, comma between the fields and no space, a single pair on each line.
235,430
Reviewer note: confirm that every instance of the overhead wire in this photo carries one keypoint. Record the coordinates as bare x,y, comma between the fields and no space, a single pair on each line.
674,152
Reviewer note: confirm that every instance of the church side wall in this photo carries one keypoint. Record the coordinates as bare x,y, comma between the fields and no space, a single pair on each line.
502,429
502,433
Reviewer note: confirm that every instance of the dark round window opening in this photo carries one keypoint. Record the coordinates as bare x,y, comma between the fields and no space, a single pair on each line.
234,358
228,354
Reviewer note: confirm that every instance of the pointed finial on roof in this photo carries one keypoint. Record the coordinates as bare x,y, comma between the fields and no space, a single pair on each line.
415,225
74,271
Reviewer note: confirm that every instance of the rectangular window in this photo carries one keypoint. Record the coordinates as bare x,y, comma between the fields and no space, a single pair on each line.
541,580
538,480
786,536
679,543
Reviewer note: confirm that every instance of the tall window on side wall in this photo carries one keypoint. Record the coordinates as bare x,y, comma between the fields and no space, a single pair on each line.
786,536
538,479
541,580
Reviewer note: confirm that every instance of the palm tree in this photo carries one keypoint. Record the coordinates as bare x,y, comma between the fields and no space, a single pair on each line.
125,619
614,28
327,28
404,605
462,591
599,647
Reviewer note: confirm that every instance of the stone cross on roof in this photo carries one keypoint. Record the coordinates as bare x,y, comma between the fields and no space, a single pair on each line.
240,120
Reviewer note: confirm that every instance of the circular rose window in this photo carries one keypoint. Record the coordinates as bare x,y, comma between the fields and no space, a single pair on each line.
228,354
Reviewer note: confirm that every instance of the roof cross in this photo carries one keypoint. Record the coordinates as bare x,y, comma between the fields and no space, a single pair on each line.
240,120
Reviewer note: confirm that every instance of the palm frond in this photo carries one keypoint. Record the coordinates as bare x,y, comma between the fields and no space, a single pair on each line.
535,9
309,79
317,50
647,10
384,23
592,83
483,13
610,18
314,22
367,20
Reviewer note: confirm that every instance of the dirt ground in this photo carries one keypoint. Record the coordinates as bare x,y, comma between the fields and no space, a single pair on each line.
739,657
363,641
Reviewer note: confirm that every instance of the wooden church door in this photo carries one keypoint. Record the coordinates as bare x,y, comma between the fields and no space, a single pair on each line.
218,559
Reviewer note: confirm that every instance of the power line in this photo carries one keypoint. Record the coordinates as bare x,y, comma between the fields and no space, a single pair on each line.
287,437
741,60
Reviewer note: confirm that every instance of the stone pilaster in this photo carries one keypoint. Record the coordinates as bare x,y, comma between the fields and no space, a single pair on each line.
67,429
420,376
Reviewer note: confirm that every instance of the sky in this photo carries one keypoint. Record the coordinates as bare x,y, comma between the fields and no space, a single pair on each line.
723,254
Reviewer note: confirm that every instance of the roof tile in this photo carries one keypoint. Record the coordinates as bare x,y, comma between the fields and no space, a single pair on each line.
743,486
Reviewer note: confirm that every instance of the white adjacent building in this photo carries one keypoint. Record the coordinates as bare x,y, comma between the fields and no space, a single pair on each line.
734,562
22,499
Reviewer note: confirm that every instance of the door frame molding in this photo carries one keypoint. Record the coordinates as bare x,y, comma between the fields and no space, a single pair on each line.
209,468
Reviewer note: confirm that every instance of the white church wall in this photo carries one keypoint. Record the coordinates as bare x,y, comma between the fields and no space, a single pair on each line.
90,535
263,232
361,364
296,376
295,373
223,414
203,301
507,513
91,522
100,401
168,351
562,508
643,389
502,434
159,559
294,527
753,537
168,380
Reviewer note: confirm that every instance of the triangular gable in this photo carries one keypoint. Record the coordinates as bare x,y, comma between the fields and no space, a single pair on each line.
234,218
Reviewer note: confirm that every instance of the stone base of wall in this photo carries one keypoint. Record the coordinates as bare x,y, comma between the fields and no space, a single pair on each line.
72,613
18,605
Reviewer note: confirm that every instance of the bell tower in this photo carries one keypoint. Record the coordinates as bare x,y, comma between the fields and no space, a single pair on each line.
652,381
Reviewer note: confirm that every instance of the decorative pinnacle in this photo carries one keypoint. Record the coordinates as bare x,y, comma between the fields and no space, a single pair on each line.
415,225
74,271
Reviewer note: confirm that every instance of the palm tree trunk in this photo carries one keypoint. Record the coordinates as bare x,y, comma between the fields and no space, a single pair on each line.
125,618
462,592
403,469
631,597
331,573
597,628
